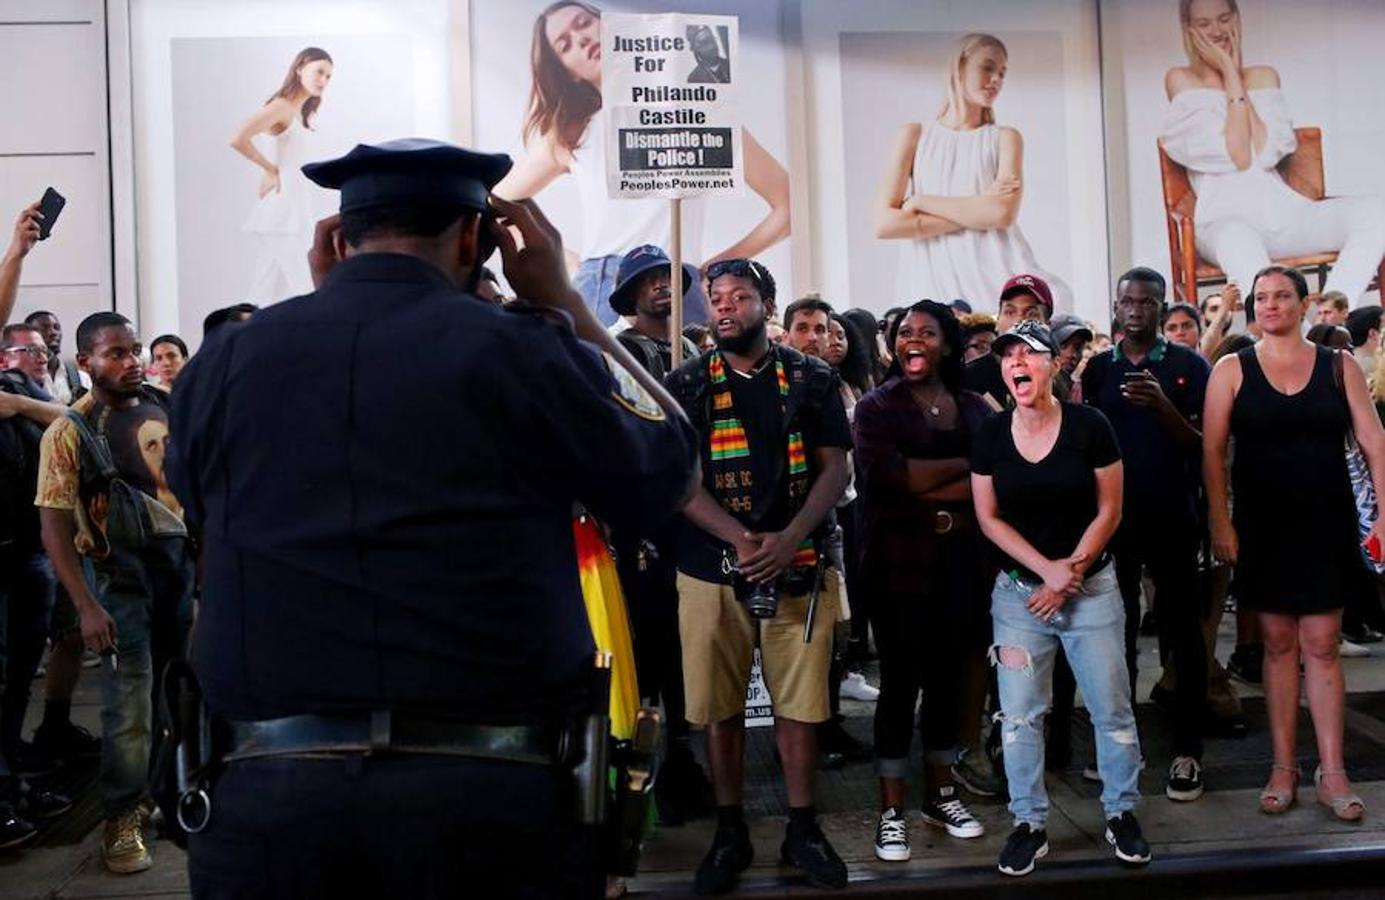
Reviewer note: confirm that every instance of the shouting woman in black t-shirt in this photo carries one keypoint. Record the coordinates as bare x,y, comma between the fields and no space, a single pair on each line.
1046,482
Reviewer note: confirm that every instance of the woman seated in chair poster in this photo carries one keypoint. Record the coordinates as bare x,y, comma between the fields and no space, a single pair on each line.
1228,124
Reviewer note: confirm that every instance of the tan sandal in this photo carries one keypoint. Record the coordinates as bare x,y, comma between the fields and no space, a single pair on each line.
1278,802
1347,807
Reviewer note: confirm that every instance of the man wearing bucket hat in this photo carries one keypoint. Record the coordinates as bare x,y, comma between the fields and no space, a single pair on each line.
647,560
644,289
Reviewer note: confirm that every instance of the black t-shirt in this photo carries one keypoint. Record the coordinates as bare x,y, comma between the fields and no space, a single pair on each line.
821,418
1051,502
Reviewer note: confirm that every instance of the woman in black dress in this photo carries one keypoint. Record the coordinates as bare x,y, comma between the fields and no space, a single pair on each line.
1289,403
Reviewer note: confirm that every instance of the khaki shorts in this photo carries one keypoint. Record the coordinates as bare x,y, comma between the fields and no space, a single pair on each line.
719,639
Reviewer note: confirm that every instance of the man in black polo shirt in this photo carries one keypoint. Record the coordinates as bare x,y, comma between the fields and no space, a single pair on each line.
773,436
1022,297
1152,392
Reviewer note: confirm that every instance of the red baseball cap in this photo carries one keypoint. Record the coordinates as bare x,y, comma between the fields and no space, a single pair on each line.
1029,284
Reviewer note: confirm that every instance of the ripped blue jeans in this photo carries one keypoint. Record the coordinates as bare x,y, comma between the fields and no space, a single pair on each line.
1092,634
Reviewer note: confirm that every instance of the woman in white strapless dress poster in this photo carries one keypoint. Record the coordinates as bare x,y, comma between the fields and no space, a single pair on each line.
1229,125
565,134
283,217
952,192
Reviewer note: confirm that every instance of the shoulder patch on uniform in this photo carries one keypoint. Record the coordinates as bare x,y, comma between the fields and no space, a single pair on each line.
630,394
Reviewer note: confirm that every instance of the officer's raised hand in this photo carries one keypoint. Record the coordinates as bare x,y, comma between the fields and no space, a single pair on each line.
535,268
327,249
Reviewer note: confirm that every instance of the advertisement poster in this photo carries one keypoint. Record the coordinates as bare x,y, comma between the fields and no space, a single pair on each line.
538,95
1302,182
953,147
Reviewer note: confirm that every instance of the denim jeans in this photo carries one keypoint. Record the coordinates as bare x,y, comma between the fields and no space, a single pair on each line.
1092,634
149,596
596,279
26,601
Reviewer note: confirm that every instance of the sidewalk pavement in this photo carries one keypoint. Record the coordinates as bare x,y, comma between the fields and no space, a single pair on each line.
1225,819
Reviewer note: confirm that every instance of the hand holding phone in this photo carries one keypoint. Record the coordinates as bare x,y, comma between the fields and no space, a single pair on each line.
49,208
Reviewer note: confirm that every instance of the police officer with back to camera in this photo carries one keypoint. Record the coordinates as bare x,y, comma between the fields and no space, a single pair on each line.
392,640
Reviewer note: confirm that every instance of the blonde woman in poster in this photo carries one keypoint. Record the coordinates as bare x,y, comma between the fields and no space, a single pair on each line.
953,189
284,214
1229,125
565,134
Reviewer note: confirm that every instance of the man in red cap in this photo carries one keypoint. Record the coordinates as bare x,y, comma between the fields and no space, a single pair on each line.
1022,297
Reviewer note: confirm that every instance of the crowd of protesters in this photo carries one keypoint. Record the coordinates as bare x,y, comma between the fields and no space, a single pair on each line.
992,498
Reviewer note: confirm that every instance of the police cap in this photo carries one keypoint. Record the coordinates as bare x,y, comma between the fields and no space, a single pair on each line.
410,170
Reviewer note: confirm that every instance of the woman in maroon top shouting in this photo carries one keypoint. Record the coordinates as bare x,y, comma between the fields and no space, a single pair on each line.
923,566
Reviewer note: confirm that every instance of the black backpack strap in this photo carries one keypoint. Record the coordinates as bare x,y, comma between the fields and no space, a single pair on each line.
645,348
93,445
810,381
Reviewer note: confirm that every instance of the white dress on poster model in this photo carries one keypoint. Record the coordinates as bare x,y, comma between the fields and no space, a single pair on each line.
953,189
1229,126
283,217
564,134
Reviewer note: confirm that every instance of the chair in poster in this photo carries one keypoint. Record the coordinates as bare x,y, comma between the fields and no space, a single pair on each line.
1302,170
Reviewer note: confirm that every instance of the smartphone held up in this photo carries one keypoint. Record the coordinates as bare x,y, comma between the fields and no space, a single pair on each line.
49,208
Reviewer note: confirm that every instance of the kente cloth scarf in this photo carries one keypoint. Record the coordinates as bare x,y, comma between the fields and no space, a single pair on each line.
733,480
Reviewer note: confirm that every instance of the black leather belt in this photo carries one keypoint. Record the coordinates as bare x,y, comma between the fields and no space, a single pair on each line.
383,731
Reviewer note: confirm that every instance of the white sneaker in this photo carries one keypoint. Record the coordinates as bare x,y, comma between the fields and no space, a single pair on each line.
855,687
1346,649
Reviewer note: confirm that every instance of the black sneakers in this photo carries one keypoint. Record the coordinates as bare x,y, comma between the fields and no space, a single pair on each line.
1123,833
14,831
892,837
1185,779
1022,848
806,847
946,810
731,854
36,803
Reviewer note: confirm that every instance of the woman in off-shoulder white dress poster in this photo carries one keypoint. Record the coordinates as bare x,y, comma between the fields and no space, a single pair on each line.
1229,124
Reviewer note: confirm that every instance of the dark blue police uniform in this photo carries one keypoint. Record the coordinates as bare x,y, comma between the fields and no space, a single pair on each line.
383,473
